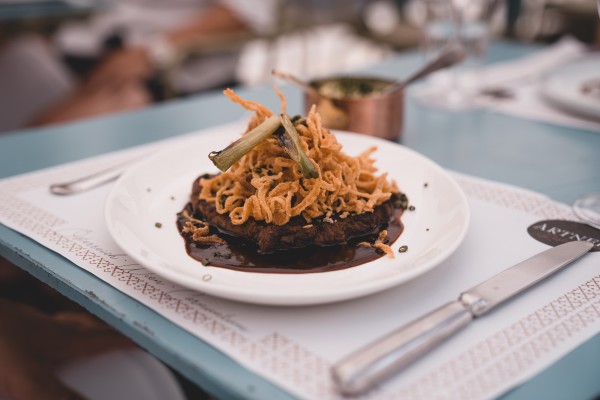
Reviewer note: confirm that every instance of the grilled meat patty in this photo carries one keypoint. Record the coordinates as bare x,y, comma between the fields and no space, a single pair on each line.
297,233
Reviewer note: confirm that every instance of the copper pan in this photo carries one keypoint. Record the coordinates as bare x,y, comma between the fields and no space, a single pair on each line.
377,114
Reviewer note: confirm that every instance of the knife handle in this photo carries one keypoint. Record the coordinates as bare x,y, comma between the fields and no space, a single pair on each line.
377,361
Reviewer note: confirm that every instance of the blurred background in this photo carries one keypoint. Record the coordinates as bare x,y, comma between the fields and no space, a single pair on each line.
62,61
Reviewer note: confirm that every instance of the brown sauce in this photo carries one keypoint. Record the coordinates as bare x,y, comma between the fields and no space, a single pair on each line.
242,255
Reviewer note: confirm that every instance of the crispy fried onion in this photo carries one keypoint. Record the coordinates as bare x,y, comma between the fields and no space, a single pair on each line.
199,230
265,184
380,244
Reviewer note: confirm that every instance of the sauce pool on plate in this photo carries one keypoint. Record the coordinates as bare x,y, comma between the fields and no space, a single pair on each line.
238,254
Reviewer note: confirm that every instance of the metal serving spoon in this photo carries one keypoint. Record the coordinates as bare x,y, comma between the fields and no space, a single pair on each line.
450,56
447,58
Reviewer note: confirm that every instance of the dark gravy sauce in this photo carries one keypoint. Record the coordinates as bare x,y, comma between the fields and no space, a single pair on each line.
241,255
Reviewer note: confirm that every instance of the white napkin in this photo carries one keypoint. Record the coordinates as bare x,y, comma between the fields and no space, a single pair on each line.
522,79
519,79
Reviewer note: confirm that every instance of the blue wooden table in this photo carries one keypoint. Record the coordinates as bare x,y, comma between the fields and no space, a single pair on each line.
557,161
24,13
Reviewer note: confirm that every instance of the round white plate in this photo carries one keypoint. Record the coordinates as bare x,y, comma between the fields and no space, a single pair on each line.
563,87
154,190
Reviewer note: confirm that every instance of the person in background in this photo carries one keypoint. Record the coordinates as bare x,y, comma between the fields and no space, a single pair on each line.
114,60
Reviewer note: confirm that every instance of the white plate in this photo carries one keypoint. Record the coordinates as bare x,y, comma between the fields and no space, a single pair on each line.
562,87
154,190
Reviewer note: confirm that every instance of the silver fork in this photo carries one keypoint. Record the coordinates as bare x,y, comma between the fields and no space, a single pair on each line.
110,174
90,181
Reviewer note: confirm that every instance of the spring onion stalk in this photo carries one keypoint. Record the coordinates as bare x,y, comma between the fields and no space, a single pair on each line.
291,142
229,155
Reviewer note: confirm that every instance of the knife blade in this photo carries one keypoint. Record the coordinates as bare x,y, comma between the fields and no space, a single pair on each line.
372,364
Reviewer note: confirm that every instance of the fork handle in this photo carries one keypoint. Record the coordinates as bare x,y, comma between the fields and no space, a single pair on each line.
90,181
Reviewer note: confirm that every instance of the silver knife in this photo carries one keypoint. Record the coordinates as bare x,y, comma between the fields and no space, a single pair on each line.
381,359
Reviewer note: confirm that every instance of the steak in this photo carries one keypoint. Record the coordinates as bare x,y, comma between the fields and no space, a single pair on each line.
296,233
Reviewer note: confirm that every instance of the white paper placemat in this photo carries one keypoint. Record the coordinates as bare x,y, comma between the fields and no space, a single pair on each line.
294,347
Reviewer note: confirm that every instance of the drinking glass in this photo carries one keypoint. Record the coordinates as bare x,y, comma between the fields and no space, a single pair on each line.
587,207
465,23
